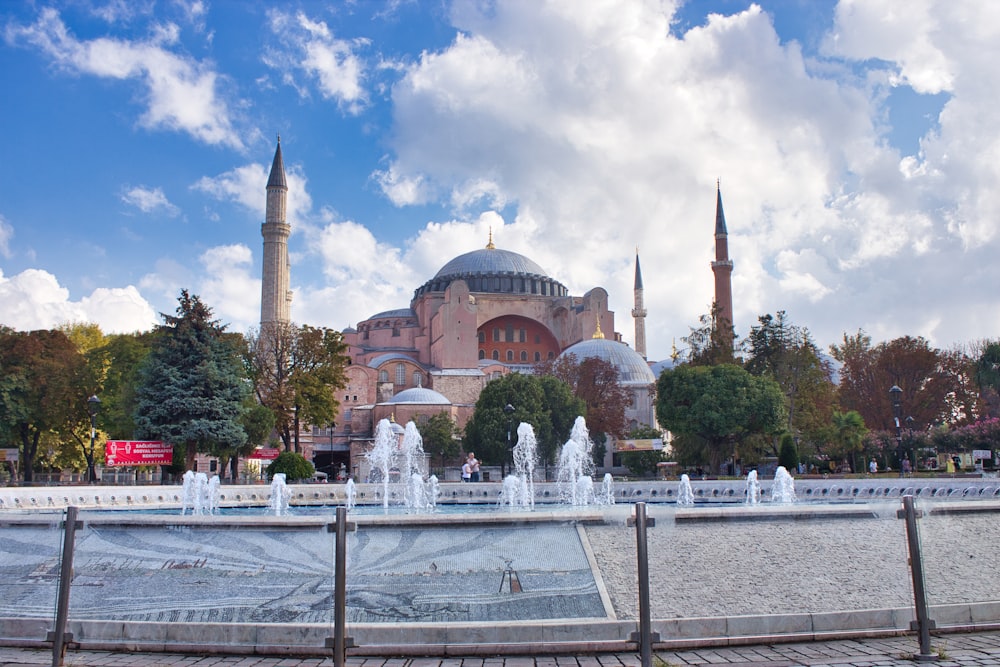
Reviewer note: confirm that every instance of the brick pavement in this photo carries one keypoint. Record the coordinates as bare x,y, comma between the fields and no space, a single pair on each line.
981,649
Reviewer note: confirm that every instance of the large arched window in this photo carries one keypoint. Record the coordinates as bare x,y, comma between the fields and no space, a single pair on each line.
383,376
401,373
496,355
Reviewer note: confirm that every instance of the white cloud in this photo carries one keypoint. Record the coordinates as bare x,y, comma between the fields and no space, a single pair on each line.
149,200
181,94
229,286
247,185
6,234
34,299
308,46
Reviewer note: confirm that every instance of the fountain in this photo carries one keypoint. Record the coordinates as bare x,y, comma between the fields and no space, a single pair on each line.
382,455
576,465
752,489
783,490
519,486
607,494
198,494
411,451
350,494
685,495
280,494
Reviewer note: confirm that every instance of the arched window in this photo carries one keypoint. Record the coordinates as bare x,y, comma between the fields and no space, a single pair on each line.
482,354
400,373
538,356
418,379
482,336
510,355
383,376
524,355
496,355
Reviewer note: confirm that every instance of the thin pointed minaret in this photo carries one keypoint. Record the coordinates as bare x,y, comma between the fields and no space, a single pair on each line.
639,310
276,294
722,267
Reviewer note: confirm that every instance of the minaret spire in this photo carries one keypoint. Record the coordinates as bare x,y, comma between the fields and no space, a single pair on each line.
276,295
639,310
722,267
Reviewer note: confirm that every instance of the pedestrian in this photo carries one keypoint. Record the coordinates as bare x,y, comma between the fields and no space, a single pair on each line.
873,467
467,470
473,463
906,467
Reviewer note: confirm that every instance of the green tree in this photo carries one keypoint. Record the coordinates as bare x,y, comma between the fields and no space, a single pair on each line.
713,342
296,371
847,437
293,465
44,386
987,375
788,453
191,385
563,408
121,355
720,405
597,383
645,462
438,433
487,431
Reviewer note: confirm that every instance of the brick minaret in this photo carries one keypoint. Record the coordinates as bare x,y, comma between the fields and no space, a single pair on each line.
639,311
722,267
275,294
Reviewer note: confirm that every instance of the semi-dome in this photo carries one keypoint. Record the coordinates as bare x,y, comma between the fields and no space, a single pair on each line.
632,368
492,270
419,395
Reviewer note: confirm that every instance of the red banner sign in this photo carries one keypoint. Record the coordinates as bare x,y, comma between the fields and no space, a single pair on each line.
138,453
265,453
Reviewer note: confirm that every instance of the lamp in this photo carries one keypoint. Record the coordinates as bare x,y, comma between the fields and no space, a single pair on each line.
93,407
895,393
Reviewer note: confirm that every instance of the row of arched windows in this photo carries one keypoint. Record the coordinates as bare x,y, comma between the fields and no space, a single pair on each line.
523,355
400,379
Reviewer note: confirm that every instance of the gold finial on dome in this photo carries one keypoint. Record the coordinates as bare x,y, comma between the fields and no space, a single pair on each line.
674,354
598,333
490,246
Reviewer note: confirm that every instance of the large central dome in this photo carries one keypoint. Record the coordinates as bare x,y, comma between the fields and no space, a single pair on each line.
491,270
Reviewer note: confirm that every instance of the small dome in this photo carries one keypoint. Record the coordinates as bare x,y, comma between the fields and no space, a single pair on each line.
632,368
421,396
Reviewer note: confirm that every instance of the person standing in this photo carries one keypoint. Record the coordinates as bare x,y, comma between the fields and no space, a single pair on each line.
467,470
473,464
873,467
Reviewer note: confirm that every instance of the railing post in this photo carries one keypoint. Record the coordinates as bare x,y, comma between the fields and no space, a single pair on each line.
340,641
923,623
59,636
642,562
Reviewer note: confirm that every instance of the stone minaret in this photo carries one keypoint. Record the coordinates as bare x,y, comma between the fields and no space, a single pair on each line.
639,311
722,267
275,294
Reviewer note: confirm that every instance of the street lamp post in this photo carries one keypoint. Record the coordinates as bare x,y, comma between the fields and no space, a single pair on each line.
897,409
509,411
93,406
911,442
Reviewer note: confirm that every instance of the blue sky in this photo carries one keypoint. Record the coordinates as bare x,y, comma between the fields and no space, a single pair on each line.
856,144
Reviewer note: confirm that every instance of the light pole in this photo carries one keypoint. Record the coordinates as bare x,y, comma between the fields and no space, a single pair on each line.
93,406
910,442
897,409
509,411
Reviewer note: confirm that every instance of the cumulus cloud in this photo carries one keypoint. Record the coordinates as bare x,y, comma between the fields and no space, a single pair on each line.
34,299
149,200
230,287
308,46
246,185
181,94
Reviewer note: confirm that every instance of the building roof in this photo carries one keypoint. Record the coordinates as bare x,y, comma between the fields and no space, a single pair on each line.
420,396
489,261
394,314
632,368
492,270
383,358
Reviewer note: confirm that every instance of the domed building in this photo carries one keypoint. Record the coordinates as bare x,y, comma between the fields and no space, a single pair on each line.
484,314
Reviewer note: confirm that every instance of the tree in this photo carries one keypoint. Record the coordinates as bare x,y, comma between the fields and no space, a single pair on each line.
296,372
720,405
987,375
643,462
191,385
922,372
563,408
44,386
847,438
293,465
788,454
121,355
786,353
488,430
258,423
438,434
713,342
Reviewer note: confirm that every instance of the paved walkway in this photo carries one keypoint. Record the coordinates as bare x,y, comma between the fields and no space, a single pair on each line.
980,649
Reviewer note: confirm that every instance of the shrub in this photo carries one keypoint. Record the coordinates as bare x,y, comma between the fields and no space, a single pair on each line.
294,466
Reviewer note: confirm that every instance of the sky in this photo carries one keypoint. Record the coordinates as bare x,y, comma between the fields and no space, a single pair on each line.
855,142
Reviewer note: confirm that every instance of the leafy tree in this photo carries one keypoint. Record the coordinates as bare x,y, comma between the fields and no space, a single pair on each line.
486,433
44,386
121,355
293,464
597,382
720,405
191,386
563,408
987,376
922,372
788,454
296,372
786,353
645,462
847,437
438,433
713,342
258,424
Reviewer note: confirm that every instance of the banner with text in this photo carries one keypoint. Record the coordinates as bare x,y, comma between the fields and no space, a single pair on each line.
647,445
138,453
265,453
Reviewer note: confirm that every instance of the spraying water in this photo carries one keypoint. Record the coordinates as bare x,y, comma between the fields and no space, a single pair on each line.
753,488
383,454
350,494
280,494
520,490
685,495
198,494
576,466
783,490
412,454
607,494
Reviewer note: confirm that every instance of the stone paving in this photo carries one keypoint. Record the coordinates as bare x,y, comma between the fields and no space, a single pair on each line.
980,649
